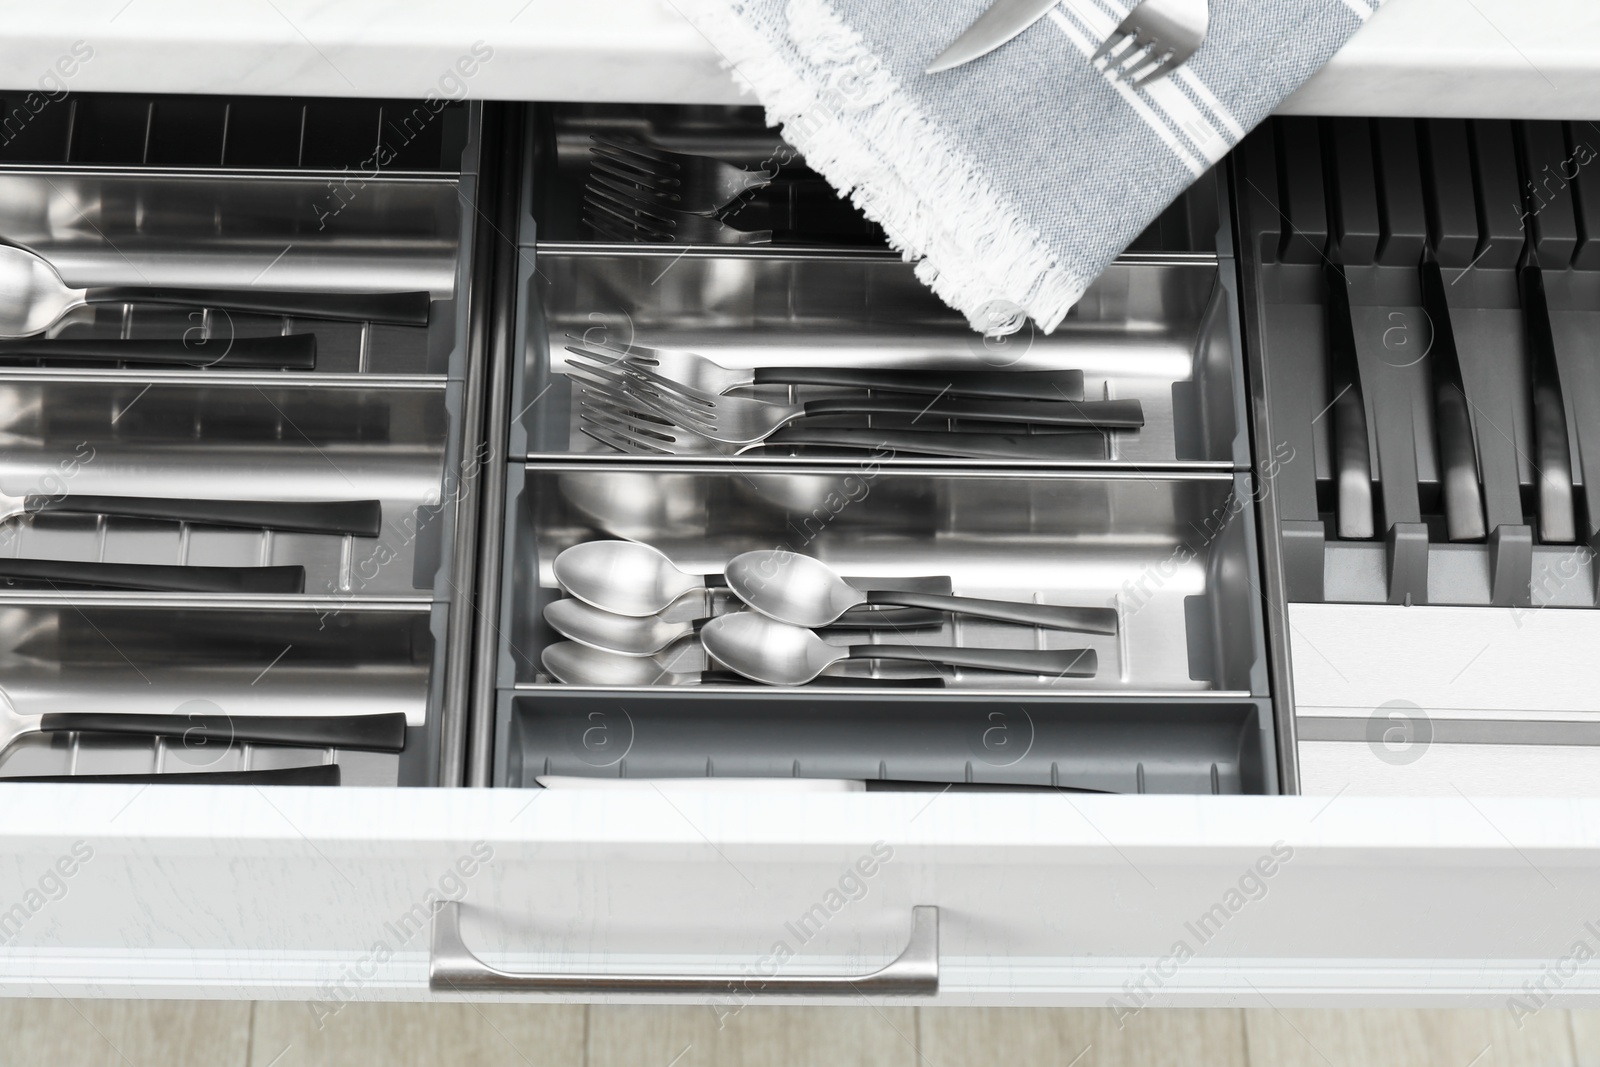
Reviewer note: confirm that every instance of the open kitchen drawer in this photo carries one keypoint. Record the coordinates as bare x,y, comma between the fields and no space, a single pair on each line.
1197,885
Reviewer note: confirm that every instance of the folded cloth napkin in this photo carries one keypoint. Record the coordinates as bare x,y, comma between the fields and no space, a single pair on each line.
1013,180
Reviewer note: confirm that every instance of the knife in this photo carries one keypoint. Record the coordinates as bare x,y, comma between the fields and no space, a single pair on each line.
1352,462
1452,420
1003,20
321,774
1558,523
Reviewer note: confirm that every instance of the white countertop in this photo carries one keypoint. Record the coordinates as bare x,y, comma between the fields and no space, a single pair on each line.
1485,58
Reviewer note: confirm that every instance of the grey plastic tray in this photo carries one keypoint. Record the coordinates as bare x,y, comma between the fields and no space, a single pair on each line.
380,417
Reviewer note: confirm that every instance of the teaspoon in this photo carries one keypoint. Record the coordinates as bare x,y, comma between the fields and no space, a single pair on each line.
806,592
777,653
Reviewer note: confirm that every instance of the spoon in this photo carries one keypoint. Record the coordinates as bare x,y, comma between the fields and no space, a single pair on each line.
33,298
777,653
686,664
806,592
645,635
632,578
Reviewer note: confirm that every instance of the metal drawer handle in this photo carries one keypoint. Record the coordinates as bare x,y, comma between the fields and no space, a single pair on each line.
453,968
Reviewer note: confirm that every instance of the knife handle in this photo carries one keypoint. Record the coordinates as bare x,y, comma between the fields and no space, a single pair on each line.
1352,468
398,309
162,578
384,732
321,774
1012,385
295,351
1458,460
361,518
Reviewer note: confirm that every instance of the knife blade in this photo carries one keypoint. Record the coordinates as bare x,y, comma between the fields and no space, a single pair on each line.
1452,419
1003,20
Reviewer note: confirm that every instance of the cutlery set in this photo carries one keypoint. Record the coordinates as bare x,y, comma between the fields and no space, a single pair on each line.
633,618
643,400
36,301
638,192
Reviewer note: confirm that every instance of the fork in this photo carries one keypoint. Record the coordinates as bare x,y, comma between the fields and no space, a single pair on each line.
1157,37
710,377
700,185
614,424
623,219
743,421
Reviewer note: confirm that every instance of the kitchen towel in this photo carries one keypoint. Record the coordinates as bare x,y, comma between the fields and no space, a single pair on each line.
1014,180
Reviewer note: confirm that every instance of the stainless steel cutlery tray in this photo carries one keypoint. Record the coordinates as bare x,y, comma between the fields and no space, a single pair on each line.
280,195
1159,329
1173,553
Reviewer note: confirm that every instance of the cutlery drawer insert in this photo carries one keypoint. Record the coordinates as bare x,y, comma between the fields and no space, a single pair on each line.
1158,331
1474,503
363,412
200,657
1171,554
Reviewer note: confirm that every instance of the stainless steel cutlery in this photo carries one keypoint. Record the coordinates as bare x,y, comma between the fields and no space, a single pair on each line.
698,374
52,573
359,518
631,635
367,733
1157,37
295,351
33,298
678,180
627,624
804,591
778,653
575,664
322,774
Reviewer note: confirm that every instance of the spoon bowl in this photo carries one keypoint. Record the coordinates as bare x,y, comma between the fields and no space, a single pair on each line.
625,635
625,577
577,664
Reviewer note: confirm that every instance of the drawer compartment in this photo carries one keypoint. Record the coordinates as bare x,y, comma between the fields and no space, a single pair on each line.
382,414
1171,554
1162,332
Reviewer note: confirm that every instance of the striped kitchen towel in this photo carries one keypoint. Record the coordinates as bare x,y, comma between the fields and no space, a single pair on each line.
1011,181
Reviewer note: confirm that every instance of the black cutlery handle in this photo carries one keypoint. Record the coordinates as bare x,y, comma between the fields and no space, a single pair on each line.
1073,444
155,577
321,774
1059,663
1050,616
1001,384
397,309
295,351
366,733
1458,460
1089,414
359,517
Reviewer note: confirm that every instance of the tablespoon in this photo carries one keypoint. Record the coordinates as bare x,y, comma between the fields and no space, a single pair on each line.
777,653
686,664
33,298
632,578
631,635
806,592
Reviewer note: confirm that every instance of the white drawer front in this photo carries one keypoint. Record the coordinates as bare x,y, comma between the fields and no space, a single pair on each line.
1043,899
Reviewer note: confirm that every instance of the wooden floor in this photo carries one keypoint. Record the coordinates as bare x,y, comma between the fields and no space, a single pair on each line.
176,1034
